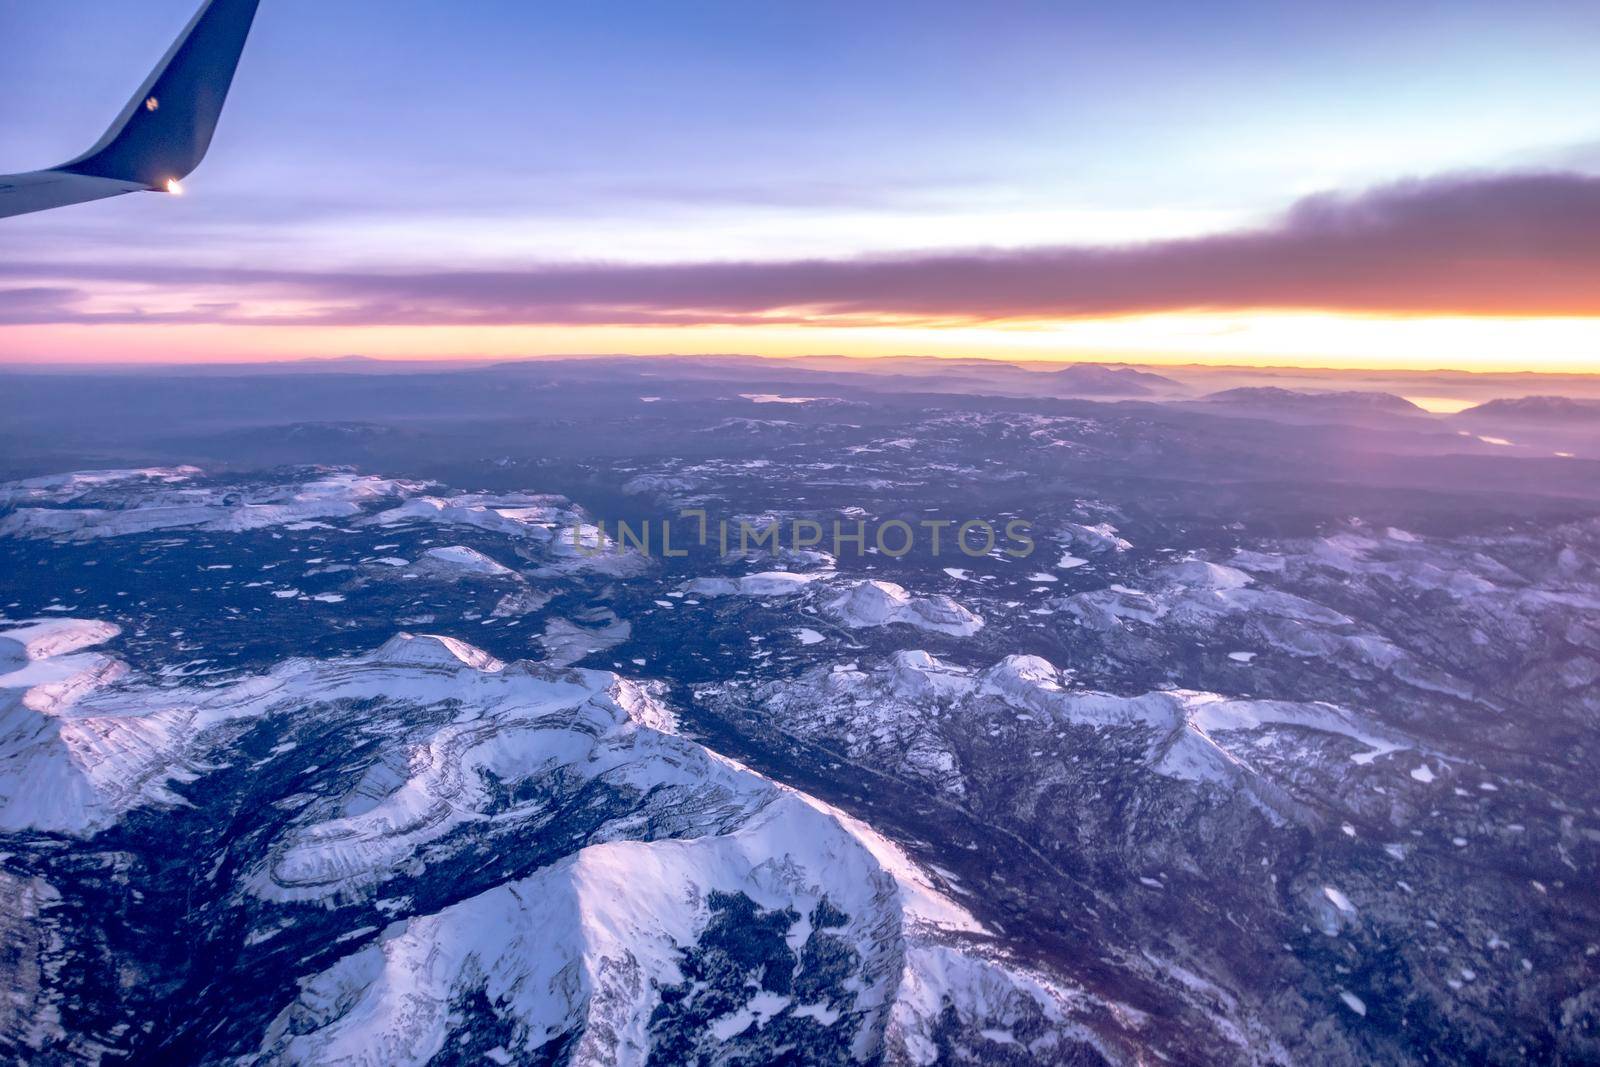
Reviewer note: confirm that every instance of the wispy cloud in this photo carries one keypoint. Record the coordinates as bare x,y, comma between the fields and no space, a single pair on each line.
1508,244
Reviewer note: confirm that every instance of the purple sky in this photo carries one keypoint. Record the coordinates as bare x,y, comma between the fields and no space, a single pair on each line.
662,168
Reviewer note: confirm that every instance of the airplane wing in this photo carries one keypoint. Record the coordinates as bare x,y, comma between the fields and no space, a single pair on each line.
164,131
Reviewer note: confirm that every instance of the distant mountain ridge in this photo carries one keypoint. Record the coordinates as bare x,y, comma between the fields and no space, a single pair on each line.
1093,379
1299,400
1538,409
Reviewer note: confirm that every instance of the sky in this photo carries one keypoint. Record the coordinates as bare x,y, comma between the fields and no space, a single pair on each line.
1361,184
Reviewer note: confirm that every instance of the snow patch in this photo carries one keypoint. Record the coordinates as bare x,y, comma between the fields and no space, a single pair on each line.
1353,1002
1339,900
764,584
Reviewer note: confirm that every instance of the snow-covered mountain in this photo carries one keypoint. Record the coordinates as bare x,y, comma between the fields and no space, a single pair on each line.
880,603
445,853
1277,748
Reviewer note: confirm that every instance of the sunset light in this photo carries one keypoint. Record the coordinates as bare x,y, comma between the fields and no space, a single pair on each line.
827,533
1017,203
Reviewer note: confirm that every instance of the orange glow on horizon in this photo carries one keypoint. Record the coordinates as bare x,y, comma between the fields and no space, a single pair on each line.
1304,340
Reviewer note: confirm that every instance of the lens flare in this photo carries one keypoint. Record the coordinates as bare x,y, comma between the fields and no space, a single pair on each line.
173,187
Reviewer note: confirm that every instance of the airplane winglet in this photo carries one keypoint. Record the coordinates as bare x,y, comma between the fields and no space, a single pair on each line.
163,133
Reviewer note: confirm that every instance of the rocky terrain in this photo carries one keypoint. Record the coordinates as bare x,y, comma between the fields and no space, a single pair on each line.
1134,750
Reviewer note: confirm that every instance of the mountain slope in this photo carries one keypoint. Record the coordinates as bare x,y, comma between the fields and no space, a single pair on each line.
1349,401
1537,410
1090,379
436,853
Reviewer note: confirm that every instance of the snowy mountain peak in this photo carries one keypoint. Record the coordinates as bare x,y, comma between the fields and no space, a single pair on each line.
643,899
44,670
1199,574
466,560
1018,674
880,603
431,650
44,638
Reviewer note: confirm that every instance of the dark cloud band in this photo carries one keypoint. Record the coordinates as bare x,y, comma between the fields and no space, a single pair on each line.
1522,244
